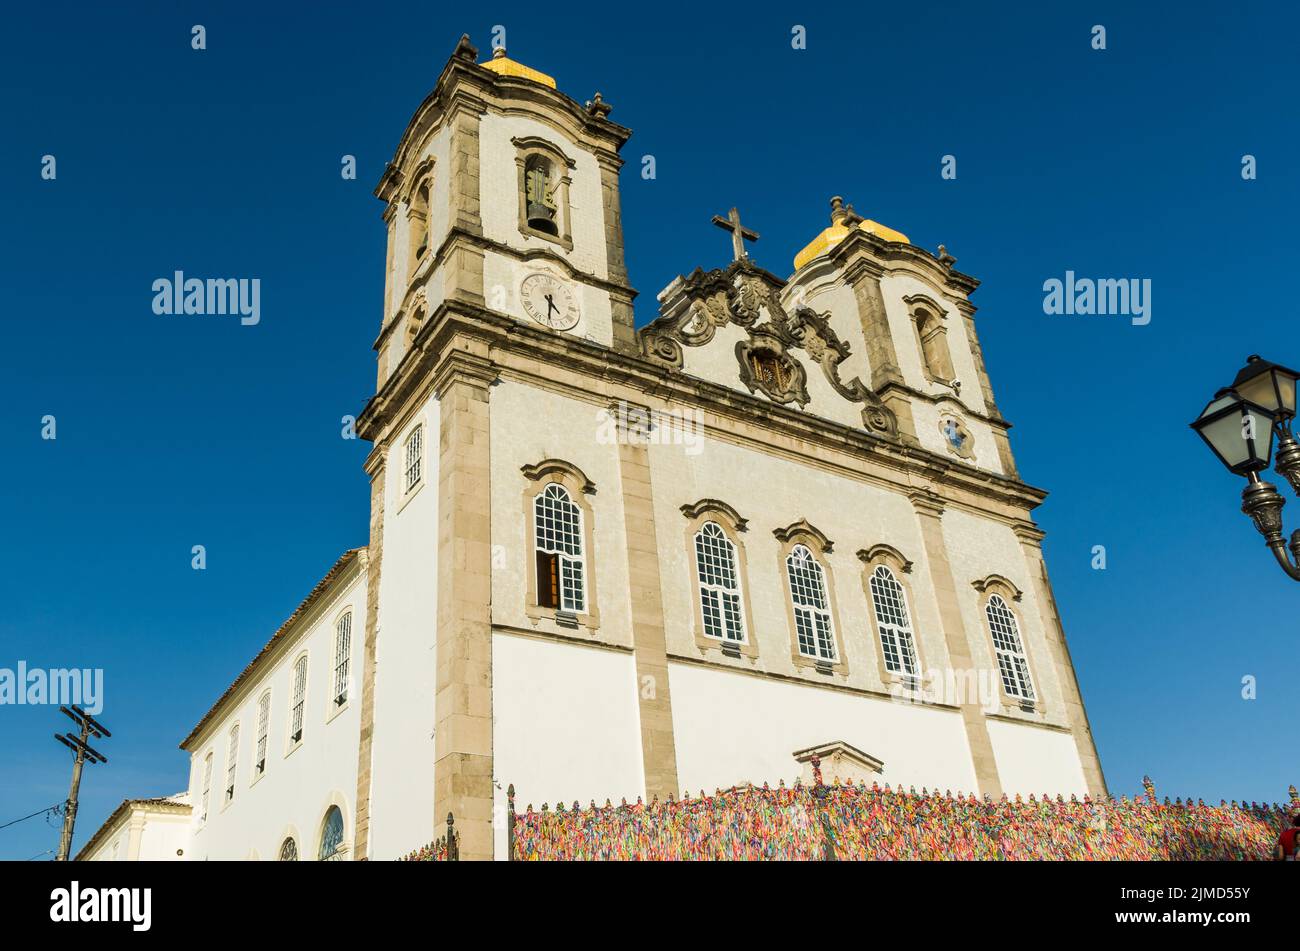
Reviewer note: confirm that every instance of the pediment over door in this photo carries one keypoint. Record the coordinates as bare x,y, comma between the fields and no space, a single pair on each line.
839,760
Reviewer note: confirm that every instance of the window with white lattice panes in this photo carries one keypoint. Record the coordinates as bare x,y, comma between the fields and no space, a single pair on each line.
207,787
263,728
894,621
814,630
342,658
414,463
561,578
232,762
299,700
719,578
1013,665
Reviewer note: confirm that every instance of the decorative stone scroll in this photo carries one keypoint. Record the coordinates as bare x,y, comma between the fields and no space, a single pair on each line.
743,294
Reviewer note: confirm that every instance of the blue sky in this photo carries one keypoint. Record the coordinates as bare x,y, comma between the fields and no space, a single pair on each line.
175,432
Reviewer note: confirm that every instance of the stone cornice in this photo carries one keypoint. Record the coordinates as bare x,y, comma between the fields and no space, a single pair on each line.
551,466
804,528
995,421
927,502
696,509
454,321
467,85
459,367
1029,533
456,237
863,252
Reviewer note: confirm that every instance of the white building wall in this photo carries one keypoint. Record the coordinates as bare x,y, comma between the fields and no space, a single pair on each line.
977,548
1037,761
528,426
164,835
301,780
402,753
772,492
733,728
499,185
565,725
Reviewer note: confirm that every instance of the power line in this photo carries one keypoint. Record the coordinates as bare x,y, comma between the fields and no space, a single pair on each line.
15,822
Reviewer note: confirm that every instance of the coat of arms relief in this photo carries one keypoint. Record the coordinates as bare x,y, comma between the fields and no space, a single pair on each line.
767,359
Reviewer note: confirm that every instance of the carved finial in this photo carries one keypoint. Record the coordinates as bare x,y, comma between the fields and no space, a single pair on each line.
465,49
945,259
1295,797
599,107
1150,788
510,797
499,52
817,770
837,210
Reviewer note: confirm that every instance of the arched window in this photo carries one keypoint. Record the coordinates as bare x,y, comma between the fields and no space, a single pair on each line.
289,850
342,658
814,631
414,458
299,699
928,316
207,787
541,209
232,762
331,836
715,563
1012,662
545,174
895,623
417,219
263,726
558,545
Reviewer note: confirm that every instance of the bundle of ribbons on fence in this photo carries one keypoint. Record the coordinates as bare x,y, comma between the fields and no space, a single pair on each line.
860,822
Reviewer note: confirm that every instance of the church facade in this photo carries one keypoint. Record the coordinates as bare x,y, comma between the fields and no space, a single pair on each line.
782,517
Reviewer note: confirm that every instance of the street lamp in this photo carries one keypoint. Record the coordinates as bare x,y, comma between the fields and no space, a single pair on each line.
1238,425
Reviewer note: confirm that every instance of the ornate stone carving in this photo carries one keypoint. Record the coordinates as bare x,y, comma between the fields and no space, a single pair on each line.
765,366
743,294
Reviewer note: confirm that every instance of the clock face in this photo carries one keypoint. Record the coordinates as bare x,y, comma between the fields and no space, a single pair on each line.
549,301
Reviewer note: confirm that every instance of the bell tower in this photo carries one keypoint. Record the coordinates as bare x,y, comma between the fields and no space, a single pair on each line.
503,193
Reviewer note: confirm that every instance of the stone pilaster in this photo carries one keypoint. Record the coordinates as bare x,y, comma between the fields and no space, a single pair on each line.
864,277
463,700
986,389
649,643
620,304
1031,538
929,509
135,835
464,121
375,467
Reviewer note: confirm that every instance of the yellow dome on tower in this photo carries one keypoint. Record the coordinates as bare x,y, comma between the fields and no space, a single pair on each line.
843,219
499,63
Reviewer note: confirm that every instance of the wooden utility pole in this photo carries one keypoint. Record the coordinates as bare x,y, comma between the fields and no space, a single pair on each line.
82,753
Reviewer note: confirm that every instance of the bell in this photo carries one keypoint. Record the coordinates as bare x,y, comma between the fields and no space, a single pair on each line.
540,218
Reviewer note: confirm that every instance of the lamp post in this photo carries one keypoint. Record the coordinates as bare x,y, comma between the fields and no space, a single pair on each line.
1239,425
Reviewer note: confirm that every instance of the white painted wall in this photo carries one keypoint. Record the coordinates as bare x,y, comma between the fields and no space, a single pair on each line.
734,728
402,752
301,780
1036,761
565,725
528,426
499,188
159,837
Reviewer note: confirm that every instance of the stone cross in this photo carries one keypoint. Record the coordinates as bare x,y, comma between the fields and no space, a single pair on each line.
739,233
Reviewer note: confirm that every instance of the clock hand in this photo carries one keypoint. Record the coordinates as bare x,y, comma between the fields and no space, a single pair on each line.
550,306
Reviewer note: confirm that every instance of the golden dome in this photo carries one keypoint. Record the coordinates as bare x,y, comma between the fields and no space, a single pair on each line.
842,218
500,64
